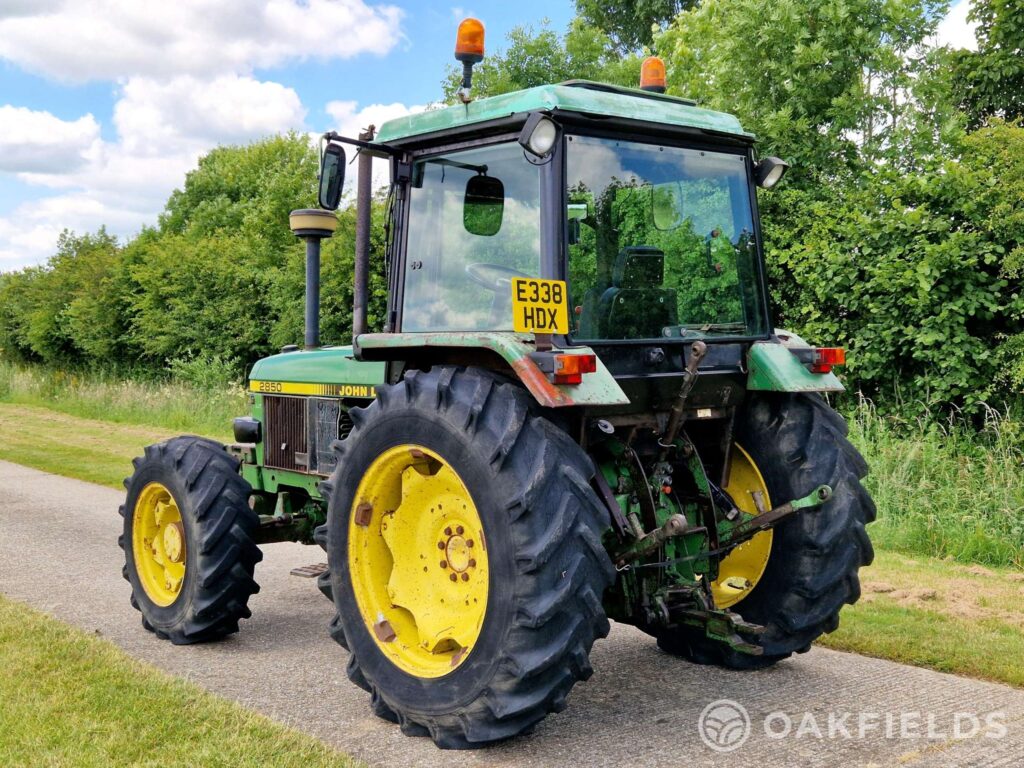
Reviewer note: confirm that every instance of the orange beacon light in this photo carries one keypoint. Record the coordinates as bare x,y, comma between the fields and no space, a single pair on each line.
652,75
469,49
469,42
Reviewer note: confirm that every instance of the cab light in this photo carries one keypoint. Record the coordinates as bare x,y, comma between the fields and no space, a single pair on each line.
652,75
826,357
569,369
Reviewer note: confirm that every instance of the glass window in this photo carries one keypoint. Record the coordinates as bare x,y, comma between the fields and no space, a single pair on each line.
474,223
661,242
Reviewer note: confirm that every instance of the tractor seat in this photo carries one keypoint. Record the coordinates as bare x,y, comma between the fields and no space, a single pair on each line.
637,305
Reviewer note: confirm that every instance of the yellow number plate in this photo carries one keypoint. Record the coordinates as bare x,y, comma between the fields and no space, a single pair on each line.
539,306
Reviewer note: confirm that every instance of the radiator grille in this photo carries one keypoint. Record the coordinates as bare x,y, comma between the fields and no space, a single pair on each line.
285,444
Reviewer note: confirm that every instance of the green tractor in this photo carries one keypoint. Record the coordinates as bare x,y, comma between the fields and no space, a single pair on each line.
577,411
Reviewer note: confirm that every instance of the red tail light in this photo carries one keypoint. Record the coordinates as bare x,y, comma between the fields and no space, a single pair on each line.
569,369
826,357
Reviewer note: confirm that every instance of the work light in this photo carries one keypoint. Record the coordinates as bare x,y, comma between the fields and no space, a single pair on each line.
769,171
539,135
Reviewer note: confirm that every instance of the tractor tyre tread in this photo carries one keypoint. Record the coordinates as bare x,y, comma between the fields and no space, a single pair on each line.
556,521
223,530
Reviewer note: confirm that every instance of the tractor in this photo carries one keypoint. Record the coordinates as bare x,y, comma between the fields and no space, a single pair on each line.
577,410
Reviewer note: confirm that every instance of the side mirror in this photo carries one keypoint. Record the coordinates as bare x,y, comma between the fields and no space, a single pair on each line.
483,206
667,206
576,212
332,176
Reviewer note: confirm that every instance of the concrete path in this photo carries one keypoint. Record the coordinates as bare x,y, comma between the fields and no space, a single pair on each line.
58,552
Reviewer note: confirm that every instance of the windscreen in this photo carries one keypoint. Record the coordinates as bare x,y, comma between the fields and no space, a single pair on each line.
474,224
661,242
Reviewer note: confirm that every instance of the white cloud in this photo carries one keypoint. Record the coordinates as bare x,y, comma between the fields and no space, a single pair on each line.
162,130
153,116
39,142
29,235
955,31
182,73
81,40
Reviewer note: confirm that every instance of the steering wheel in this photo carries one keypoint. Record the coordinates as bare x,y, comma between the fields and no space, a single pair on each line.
492,276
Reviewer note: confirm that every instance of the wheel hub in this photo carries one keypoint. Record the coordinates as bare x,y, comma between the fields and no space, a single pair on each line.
174,542
158,544
417,561
740,570
459,552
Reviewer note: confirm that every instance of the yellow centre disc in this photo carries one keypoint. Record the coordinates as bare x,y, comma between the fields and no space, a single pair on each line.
418,561
158,544
459,554
741,569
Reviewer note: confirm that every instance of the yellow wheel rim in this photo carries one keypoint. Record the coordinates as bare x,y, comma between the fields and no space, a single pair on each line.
741,569
417,560
158,544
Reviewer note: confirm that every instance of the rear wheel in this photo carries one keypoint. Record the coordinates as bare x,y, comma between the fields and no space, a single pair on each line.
791,443
466,565
187,540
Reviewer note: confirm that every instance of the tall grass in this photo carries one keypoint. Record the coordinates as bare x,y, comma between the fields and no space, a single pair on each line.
944,487
171,402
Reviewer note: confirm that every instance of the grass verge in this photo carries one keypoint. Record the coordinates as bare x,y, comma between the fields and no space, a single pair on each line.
944,488
86,449
70,698
175,406
968,620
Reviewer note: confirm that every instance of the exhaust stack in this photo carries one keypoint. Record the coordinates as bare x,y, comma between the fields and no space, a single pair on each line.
312,225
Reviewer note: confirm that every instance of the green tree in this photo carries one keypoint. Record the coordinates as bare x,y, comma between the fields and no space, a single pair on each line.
917,274
69,308
249,189
821,84
631,25
989,82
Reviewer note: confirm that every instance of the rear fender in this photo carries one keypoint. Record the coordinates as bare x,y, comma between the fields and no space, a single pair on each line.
509,350
771,367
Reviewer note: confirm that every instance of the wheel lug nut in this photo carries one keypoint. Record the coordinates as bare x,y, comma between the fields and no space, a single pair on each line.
448,531
453,577
440,545
444,563
472,563
465,577
459,530
469,542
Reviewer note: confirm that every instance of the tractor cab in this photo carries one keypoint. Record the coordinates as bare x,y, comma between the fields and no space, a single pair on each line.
575,219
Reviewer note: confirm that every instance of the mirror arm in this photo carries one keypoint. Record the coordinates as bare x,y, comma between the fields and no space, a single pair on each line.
372,146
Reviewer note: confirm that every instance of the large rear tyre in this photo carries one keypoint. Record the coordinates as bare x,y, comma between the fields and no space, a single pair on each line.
188,540
797,442
466,565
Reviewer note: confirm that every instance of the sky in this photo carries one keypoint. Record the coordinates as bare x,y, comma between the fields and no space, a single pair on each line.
106,104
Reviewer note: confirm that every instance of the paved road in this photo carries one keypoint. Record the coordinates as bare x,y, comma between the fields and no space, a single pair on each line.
58,552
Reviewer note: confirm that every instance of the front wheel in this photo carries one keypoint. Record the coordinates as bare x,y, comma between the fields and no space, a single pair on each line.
466,565
796,579
188,540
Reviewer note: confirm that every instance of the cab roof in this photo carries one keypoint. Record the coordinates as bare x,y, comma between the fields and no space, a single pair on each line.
578,96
